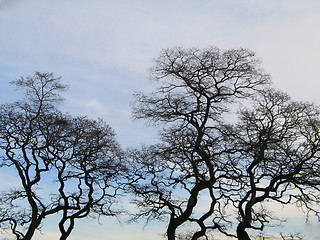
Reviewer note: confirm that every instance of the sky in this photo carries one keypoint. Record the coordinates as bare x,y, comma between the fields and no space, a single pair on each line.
103,49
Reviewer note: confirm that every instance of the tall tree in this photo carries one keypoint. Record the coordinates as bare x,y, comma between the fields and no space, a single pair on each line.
66,165
194,91
212,168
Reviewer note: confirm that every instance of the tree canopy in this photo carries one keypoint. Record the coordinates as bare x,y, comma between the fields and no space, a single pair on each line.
66,165
230,146
215,166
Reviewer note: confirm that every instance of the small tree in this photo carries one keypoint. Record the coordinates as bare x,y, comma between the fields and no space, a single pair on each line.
276,153
66,165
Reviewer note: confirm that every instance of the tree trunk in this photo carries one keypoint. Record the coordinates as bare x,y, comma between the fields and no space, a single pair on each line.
241,232
29,234
171,232
64,236
66,233
31,229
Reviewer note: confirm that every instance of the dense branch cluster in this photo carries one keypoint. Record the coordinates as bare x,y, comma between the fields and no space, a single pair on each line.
270,154
230,146
75,160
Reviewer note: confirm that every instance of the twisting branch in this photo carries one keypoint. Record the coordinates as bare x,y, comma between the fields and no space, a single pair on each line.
78,155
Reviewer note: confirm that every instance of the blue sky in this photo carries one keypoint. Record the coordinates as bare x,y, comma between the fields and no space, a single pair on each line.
103,50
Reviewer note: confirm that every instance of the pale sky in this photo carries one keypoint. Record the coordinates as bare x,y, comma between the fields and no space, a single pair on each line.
103,50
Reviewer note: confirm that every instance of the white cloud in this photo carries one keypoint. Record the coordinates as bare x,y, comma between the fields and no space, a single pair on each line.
95,108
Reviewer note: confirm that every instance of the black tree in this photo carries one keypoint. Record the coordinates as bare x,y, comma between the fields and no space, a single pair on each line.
195,89
210,170
66,165
276,153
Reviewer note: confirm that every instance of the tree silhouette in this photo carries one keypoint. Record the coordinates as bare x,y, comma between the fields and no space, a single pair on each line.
212,169
66,165
194,90
276,153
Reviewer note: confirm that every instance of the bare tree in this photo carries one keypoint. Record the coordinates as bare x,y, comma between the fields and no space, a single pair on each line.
213,169
276,151
194,91
66,165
